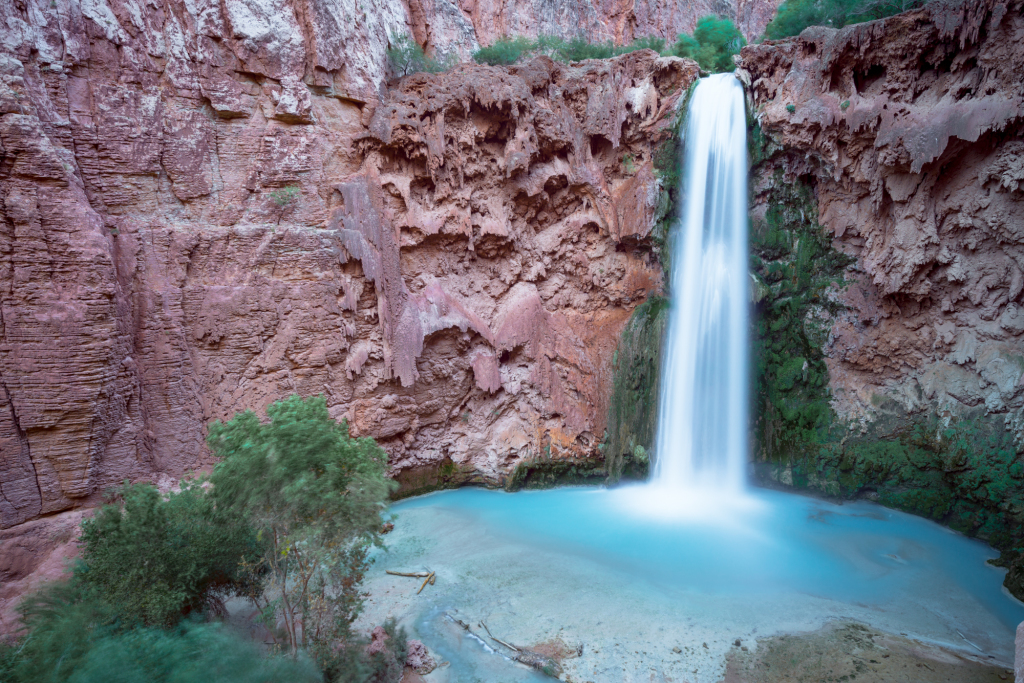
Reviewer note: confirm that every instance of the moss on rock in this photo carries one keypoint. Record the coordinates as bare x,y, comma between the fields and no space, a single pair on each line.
964,472
546,473
633,411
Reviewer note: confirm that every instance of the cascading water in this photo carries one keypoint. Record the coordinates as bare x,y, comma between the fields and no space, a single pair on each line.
702,427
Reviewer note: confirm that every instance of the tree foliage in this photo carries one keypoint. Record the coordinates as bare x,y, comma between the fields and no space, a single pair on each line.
286,520
793,16
405,56
315,495
504,51
154,559
507,51
712,45
75,637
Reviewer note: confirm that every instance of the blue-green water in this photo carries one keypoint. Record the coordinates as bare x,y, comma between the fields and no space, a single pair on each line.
657,584
765,544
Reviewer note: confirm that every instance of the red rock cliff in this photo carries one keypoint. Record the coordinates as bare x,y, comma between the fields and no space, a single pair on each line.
911,130
206,210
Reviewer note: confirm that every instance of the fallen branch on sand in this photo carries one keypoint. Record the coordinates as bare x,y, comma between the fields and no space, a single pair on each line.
501,642
427,576
534,660
429,579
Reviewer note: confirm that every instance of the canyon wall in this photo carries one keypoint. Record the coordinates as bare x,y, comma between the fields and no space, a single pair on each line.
888,230
912,129
206,209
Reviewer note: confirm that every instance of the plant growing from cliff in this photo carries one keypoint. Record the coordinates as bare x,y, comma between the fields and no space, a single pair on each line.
628,164
793,16
315,496
712,45
633,407
154,559
504,51
405,56
285,195
507,51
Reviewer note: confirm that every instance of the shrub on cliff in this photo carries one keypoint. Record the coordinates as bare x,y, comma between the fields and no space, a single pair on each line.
405,57
504,51
507,51
712,45
154,559
315,496
793,16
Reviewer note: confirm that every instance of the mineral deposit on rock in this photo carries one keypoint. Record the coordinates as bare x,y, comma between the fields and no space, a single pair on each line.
207,208
911,130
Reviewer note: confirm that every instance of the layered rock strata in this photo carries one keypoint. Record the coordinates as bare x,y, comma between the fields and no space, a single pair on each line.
197,231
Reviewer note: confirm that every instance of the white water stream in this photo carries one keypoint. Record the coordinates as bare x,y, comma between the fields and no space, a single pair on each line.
701,445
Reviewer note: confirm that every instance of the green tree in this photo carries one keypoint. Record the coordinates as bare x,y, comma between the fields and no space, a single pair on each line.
712,45
316,495
405,56
154,559
793,16
74,637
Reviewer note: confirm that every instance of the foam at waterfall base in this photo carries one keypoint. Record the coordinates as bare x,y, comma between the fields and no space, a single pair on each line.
660,502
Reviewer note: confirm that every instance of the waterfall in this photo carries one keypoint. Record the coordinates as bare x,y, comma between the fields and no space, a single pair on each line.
702,421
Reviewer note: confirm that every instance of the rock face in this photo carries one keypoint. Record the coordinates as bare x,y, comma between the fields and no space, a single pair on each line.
911,130
894,370
205,209
603,20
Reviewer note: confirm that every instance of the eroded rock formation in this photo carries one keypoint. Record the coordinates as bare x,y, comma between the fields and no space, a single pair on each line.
911,130
203,217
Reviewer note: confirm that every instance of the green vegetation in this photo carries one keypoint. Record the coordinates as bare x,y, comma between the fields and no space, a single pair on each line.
963,472
155,559
285,195
286,520
507,51
633,411
405,56
793,16
74,637
712,45
315,496
504,51
546,472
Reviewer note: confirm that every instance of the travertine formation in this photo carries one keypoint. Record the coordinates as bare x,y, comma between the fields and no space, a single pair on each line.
911,130
207,208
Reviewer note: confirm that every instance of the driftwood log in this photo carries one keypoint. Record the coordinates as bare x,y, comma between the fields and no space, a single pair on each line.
542,663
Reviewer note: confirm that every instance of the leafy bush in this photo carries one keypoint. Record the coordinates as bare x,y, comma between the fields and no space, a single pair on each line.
405,57
793,16
712,45
285,195
154,559
75,638
294,507
316,495
507,51
504,51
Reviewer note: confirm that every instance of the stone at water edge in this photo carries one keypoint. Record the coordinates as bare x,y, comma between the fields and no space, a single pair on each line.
1018,664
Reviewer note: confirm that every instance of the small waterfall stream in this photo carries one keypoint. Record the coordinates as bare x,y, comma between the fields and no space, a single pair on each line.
702,423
